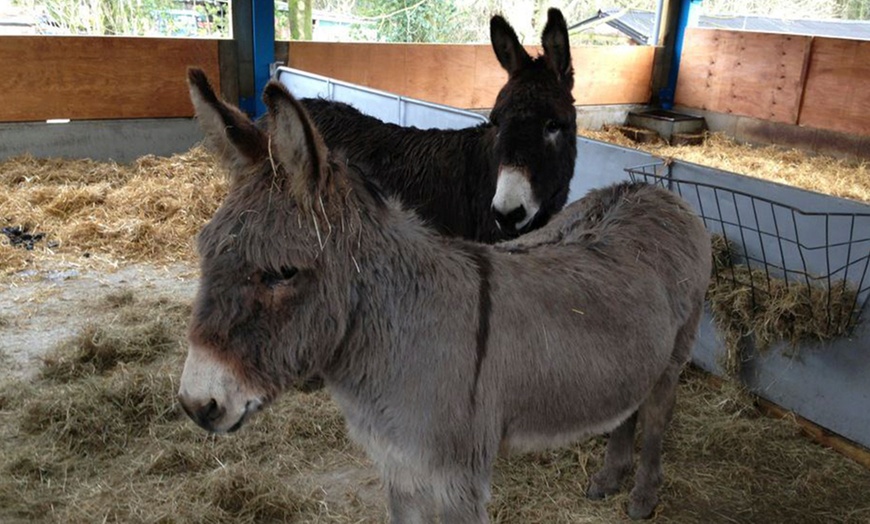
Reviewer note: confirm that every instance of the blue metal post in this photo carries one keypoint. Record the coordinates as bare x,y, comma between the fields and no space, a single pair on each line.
690,10
263,29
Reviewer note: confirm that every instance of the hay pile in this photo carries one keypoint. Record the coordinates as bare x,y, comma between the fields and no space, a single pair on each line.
104,214
98,438
746,303
824,174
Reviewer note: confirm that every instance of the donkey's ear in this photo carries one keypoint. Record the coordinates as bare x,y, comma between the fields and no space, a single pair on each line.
557,50
510,53
228,131
296,144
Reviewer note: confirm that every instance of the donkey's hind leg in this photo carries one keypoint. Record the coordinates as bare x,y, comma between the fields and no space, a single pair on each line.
618,461
655,414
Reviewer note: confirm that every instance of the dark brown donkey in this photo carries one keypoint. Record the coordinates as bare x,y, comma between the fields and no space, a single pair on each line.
437,350
485,183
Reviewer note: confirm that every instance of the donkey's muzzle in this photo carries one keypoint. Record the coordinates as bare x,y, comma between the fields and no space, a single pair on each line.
510,222
514,203
205,414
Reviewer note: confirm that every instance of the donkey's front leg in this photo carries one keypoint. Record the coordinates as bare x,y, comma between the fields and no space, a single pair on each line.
464,502
410,507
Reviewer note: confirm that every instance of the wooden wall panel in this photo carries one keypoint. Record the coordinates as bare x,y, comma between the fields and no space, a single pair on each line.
612,74
99,77
489,77
454,86
388,70
469,76
751,74
837,95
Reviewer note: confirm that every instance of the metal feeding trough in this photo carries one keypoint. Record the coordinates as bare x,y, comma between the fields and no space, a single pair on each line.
672,126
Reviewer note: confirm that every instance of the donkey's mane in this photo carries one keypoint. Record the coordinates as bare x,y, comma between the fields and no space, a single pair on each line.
344,197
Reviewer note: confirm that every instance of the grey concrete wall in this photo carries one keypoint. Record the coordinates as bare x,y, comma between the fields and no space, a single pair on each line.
827,383
594,117
118,140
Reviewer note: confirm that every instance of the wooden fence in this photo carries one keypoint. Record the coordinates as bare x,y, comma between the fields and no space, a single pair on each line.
808,81
469,76
814,82
109,77
99,77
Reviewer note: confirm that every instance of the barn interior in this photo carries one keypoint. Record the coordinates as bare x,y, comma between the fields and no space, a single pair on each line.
105,185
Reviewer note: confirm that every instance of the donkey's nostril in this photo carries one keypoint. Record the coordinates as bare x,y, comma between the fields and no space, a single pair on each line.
510,220
211,411
205,414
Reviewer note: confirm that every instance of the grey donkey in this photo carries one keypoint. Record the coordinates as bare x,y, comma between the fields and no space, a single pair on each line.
438,351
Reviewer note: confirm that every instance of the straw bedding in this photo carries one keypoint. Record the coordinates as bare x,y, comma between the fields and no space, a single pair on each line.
89,441
97,435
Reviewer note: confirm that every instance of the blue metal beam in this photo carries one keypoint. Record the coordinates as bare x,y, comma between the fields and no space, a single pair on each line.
690,11
254,34
264,49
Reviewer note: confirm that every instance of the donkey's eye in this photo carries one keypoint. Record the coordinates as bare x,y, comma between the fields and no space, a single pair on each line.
552,126
272,278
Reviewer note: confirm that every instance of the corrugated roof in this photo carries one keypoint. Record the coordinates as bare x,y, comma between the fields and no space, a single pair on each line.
638,24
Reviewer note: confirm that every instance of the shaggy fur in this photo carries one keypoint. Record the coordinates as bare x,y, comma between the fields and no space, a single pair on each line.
449,176
438,351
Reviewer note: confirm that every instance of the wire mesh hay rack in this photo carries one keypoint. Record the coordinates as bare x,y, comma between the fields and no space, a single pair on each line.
770,246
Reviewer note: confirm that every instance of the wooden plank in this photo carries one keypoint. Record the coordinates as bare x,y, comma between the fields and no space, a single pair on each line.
612,74
100,77
489,77
837,95
819,434
751,74
698,83
469,75
385,68
456,62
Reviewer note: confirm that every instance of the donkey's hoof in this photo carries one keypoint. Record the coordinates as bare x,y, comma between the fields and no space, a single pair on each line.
642,506
595,492
600,488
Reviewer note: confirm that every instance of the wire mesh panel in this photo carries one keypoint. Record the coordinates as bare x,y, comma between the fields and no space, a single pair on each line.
768,245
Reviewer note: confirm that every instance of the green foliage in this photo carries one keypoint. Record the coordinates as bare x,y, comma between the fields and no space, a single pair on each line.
415,20
296,22
856,9
130,17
